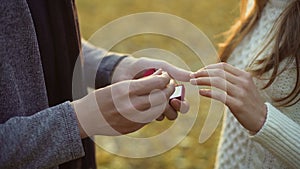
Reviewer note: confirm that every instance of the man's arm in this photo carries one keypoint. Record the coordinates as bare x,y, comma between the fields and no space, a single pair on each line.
102,68
47,138
99,65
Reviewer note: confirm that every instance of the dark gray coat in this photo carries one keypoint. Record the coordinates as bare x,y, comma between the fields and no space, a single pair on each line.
32,135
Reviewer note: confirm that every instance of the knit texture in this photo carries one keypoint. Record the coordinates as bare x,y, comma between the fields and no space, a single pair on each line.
277,144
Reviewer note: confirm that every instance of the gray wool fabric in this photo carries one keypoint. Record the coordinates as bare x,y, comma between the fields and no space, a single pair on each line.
32,135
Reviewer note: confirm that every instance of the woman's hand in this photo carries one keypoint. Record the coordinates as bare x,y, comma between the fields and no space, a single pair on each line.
236,89
125,106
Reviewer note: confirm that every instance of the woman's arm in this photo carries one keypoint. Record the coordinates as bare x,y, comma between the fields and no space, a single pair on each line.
280,135
267,125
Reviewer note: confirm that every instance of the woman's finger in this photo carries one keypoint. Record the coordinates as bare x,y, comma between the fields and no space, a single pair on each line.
226,67
217,95
216,73
218,83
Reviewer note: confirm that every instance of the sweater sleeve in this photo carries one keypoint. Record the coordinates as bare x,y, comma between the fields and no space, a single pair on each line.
99,65
43,140
280,135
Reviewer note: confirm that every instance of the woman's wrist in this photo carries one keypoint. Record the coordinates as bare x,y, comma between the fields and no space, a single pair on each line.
261,121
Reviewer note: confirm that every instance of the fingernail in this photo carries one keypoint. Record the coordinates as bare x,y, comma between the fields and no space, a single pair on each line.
172,82
175,103
203,92
158,72
193,81
192,75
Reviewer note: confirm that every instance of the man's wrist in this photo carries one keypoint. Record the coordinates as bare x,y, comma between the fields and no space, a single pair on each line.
81,130
106,69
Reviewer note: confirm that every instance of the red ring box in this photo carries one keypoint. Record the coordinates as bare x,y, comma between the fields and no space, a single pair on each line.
149,72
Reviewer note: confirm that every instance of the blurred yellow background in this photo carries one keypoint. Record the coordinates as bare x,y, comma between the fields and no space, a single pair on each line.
213,18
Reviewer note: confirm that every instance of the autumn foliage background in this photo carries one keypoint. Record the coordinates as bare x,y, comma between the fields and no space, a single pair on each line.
213,17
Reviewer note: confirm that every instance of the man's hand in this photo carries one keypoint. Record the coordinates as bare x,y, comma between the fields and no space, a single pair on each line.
131,68
125,106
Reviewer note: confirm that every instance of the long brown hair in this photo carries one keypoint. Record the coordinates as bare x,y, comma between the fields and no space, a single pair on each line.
286,44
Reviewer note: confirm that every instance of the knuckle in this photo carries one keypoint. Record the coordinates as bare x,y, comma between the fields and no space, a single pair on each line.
217,80
246,84
160,84
171,89
238,104
131,92
243,94
119,89
140,103
219,72
219,96
248,75
134,86
162,81
164,64
223,64
246,80
162,97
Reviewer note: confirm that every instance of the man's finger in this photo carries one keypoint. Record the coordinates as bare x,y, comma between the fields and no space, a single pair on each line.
145,85
155,98
170,113
175,72
181,106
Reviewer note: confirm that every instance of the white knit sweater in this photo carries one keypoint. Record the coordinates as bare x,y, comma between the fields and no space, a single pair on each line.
277,144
